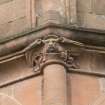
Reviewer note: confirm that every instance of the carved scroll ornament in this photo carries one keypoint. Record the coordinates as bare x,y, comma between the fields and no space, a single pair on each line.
53,49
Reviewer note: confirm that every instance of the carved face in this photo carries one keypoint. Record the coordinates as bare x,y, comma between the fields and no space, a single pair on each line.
51,45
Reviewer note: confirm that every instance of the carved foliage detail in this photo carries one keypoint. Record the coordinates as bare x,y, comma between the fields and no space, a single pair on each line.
52,48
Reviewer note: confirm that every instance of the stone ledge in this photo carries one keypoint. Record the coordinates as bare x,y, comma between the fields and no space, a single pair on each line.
15,44
74,71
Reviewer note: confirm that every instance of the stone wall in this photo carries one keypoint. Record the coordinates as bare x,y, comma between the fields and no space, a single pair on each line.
20,86
17,16
82,90
91,13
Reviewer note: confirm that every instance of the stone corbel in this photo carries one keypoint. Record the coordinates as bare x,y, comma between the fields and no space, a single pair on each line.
53,49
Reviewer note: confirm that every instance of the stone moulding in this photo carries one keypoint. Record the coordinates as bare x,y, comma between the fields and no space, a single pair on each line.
95,40
37,73
15,46
35,41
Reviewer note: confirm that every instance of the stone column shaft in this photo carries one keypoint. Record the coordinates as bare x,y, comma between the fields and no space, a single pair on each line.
55,87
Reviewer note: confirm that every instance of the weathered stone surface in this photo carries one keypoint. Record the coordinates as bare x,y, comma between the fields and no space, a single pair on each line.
14,18
91,14
14,71
19,16
50,11
83,90
84,6
23,93
4,1
54,85
98,7
80,87
13,27
11,11
29,92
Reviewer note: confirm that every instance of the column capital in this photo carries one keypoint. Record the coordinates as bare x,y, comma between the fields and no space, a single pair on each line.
53,49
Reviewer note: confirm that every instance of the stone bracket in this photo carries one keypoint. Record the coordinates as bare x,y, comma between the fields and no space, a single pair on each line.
53,49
